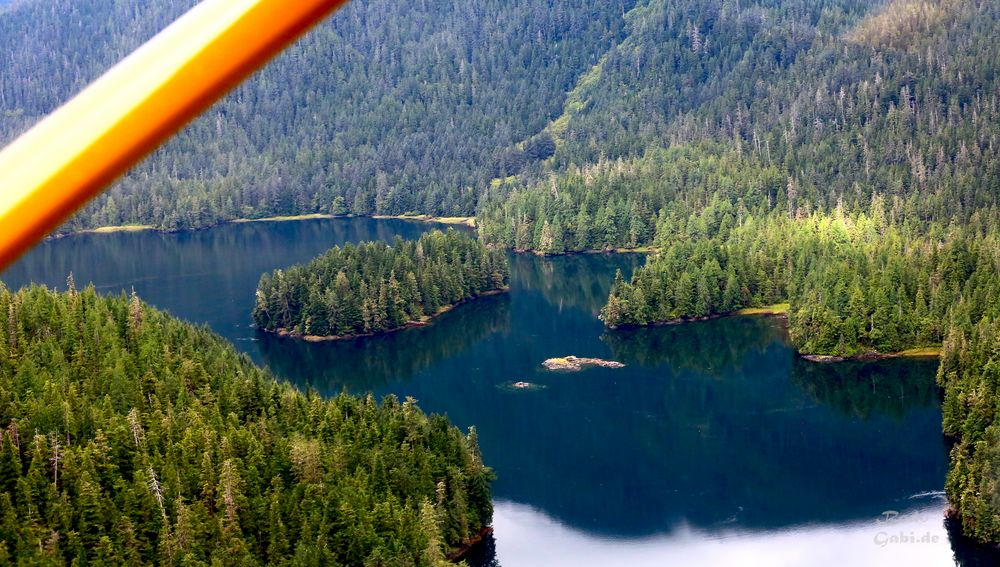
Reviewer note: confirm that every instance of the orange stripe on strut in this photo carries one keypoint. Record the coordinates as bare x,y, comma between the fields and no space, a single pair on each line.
73,154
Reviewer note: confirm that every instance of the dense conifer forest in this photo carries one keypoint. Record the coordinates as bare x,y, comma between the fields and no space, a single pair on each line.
386,108
968,374
131,438
841,100
625,203
838,155
799,107
856,284
373,287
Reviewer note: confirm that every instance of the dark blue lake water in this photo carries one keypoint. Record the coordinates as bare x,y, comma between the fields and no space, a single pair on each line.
715,445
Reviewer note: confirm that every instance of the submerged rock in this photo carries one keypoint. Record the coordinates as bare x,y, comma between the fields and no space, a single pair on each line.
520,386
574,363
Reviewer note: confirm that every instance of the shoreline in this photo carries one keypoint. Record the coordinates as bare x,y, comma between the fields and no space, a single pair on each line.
873,356
422,322
469,222
282,218
775,310
780,311
106,230
470,543
637,250
462,221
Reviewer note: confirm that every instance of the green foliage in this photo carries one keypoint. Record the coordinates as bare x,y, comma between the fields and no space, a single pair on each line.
839,155
878,123
129,437
969,376
849,98
373,287
387,108
388,360
803,107
855,283
625,203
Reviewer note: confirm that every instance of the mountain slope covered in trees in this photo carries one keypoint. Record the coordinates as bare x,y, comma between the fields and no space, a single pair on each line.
393,108
843,101
386,108
131,438
850,98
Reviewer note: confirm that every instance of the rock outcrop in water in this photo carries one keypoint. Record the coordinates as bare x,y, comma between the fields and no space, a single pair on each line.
574,363
521,386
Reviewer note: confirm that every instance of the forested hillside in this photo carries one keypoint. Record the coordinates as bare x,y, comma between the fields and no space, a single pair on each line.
131,438
392,108
416,107
850,98
838,102
629,202
863,186
387,108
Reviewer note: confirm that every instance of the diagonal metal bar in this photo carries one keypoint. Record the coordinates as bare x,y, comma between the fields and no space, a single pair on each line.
74,153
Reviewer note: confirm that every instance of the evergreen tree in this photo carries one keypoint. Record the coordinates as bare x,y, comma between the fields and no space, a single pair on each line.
207,459
358,290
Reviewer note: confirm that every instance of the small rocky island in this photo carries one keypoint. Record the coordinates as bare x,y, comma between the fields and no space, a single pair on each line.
372,287
574,363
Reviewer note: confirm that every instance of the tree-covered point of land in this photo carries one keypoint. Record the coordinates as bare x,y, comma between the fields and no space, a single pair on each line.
374,287
969,375
856,283
131,438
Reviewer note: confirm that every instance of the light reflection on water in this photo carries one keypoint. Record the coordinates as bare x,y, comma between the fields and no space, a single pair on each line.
525,536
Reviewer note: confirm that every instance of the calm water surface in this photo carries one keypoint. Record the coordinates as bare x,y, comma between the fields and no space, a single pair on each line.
714,446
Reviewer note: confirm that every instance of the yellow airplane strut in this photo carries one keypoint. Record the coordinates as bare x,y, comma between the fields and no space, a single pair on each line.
74,153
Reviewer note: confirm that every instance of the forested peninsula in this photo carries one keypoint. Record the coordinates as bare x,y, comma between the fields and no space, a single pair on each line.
969,375
373,287
856,284
132,438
